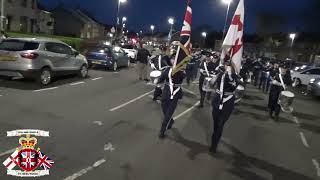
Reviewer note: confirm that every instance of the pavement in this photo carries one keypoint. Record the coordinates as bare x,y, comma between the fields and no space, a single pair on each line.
106,127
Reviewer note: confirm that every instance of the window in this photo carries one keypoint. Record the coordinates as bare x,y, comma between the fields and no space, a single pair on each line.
59,48
128,47
16,45
24,3
315,71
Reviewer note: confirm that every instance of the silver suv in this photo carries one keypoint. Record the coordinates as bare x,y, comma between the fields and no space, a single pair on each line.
40,59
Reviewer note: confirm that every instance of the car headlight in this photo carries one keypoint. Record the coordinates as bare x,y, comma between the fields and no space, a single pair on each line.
312,80
318,83
291,71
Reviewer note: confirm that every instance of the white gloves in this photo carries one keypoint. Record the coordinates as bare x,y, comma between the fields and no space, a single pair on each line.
153,66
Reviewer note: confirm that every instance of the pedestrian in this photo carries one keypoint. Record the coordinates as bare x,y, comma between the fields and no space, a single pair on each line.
171,94
207,69
277,86
143,59
3,36
159,63
223,102
263,76
268,77
190,69
257,66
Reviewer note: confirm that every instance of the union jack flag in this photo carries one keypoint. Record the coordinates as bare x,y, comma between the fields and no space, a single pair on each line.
44,161
28,159
184,49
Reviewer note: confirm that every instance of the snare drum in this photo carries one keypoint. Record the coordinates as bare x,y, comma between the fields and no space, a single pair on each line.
208,83
154,76
285,101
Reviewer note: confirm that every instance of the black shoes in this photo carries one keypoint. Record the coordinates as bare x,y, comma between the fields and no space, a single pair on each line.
212,150
161,136
200,106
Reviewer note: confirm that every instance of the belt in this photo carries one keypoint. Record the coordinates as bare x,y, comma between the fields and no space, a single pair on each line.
224,93
174,85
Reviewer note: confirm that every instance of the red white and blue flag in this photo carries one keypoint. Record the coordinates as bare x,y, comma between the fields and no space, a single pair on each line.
44,161
184,49
232,47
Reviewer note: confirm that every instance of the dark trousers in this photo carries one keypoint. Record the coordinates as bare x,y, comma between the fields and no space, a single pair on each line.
262,82
255,77
273,105
267,86
168,107
220,117
157,92
203,93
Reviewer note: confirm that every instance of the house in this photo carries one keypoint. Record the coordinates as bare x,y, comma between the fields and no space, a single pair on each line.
76,23
25,16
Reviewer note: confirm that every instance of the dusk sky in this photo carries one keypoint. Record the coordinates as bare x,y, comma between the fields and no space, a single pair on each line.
142,13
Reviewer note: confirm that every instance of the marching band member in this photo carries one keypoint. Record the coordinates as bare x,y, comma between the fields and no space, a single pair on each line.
276,87
207,68
172,92
223,102
159,63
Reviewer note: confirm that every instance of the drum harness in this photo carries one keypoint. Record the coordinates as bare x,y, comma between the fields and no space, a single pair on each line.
228,95
171,85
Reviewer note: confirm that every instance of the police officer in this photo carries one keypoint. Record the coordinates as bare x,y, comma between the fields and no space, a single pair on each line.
159,63
275,90
223,102
172,92
207,68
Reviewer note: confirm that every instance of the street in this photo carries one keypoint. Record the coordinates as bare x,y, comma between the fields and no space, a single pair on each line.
106,127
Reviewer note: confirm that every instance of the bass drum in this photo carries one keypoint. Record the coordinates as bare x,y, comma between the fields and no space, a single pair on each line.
154,76
208,83
286,100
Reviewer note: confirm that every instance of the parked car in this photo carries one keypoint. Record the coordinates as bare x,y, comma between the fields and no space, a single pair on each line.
314,86
108,57
131,51
304,77
40,59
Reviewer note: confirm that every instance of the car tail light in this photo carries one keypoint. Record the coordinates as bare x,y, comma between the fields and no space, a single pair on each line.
29,55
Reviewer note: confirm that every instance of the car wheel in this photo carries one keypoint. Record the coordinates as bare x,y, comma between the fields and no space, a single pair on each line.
115,66
45,77
83,73
128,63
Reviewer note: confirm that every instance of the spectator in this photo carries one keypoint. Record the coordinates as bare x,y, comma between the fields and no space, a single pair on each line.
142,57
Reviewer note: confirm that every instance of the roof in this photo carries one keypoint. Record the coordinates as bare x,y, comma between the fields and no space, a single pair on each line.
37,39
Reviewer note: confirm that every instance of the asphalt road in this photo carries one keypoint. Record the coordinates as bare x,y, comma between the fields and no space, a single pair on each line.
106,127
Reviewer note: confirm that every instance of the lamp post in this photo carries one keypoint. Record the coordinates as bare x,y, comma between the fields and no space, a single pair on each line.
2,16
204,35
152,29
118,13
292,36
124,19
228,2
171,22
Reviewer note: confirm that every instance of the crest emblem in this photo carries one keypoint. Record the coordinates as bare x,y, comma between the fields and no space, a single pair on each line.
26,157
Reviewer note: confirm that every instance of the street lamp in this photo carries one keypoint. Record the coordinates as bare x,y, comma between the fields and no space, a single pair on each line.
118,13
204,35
171,22
124,19
292,36
152,29
228,2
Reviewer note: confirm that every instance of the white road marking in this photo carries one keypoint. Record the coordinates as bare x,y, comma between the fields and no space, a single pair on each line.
296,120
7,152
304,140
316,165
0,95
85,170
99,123
108,147
81,82
131,101
189,91
94,79
46,89
186,111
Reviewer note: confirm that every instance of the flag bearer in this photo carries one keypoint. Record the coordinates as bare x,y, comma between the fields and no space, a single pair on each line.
223,102
172,92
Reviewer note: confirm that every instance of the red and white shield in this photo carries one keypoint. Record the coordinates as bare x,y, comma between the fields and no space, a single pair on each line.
28,159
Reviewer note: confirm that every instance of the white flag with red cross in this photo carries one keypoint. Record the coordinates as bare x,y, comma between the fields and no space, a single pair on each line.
232,47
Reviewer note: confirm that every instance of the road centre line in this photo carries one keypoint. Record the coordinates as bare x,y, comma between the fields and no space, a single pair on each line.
77,83
85,170
186,111
94,79
131,101
8,152
46,89
317,166
304,140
